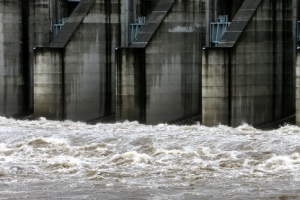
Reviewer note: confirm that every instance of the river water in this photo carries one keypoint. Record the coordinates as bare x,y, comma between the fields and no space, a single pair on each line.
46,159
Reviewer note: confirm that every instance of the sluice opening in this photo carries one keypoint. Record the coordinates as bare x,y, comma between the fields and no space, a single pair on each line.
72,5
147,6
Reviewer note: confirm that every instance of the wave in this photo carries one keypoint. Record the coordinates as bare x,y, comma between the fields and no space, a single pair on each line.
150,154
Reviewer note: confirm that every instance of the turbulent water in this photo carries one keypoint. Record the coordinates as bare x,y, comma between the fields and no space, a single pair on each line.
46,159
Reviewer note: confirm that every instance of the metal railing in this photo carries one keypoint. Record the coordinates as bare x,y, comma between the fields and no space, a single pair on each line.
57,27
135,28
217,29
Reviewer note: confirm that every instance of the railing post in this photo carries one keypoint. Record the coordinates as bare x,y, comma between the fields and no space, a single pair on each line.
57,27
217,29
136,27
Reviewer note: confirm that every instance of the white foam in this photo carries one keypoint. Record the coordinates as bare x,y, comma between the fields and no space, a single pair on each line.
154,154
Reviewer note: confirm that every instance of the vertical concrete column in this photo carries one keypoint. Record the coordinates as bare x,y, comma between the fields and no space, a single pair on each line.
295,4
216,105
298,88
90,59
173,57
131,85
130,10
125,21
48,83
41,17
296,13
38,30
288,30
39,23
208,19
11,71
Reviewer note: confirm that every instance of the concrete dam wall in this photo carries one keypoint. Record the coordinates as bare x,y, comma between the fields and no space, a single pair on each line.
145,61
158,76
12,97
248,76
23,26
82,54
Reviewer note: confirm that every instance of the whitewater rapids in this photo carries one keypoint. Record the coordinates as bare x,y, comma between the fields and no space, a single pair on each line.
45,159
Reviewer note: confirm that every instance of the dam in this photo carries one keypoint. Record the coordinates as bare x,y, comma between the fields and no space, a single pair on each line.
151,61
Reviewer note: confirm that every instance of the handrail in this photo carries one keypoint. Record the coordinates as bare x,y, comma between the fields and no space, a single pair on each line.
136,27
57,27
217,29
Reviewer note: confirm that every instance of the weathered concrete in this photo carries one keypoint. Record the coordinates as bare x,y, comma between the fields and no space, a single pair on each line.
159,77
49,83
88,41
215,86
24,25
131,84
11,72
172,40
297,74
298,88
260,66
42,15
173,58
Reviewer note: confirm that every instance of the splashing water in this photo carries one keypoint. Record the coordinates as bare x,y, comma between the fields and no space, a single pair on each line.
52,159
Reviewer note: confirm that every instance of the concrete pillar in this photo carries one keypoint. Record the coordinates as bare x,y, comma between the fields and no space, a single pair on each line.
12,96
42,15
173,57
131,85
49,88
216,101
88,42
260,87
172,41
298,88
90,63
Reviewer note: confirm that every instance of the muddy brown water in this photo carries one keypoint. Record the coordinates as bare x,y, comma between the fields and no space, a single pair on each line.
46,159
